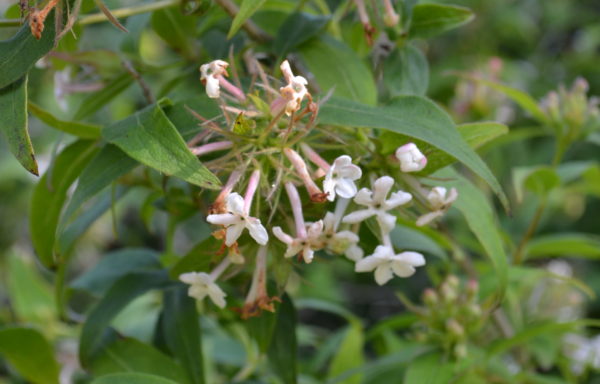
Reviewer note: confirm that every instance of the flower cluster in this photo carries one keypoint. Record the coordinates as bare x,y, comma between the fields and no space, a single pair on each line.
283,165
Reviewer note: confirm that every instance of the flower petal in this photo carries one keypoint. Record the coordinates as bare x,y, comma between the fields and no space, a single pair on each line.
223,219
293,249
428,218
198,292
233,233
308,254
257,231
413,258
284,237
315,230
402,269
386,221
329,184
217,295
213,89
235,204
358,216
364,197
383,274
354,253
346,188
368,264
381,188
396,199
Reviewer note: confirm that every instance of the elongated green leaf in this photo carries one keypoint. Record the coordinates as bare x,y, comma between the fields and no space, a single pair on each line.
475,134
150,138
584,245
247,9
537,179
22,51
406,72
282,352
177,29
415,117
295,30
131,355
349,354
478,213
82,130
525,101
115,265
429,369
13,124
181,328
408,238
432,19
30,354
351,80
50,194
106,167
30,296
132,378
118,296
97,100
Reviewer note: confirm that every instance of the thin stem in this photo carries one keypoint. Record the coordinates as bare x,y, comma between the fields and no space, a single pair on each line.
128,11
519,253
219,269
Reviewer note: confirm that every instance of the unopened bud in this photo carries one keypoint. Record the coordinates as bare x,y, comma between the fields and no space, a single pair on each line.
460,351
455,328
430,297
448,292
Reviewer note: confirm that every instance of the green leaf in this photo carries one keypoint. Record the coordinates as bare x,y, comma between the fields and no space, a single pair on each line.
132,378
97,100
30,354
411,238
246,10
81,130
30,296
525,101
349,354
475,134
106,167
181,327
584,245
150,138
415,117
295,30
537,179
115,265
261,328
432,19
13,124
122,292
177,29
49,196
131,355
336,66
198,259
478,213
406,72
429,369
283,350
22,51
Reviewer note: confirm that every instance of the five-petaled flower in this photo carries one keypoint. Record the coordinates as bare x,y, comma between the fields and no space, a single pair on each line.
209,75
202,285
345,242
386,263
295,90
302,244
411,159
340,178
236,219
377,205
439,203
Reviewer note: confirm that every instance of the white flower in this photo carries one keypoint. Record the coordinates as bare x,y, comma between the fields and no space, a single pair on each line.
411,159
340,178
201,285
209,74
439,203
340,242
377,205
386,263
294,91
236,219
305,245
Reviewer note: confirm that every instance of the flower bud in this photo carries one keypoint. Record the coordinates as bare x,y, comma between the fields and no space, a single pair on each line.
455,328
411,159
430,297
460,351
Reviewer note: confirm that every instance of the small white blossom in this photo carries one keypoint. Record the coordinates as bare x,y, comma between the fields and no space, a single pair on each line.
439,203
209,74
411,159
340,178
340,242
236,219
386,263
305,245
295,90
202,285
377,205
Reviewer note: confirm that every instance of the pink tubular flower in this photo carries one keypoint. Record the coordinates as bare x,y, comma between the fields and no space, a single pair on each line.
295,90
300,166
